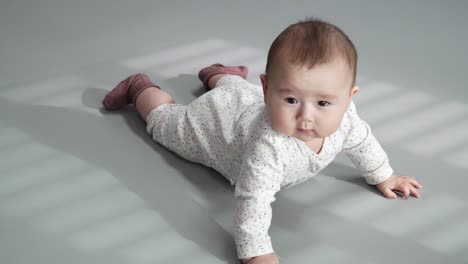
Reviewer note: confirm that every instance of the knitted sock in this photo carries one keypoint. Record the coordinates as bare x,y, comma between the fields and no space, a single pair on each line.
206,73
127,91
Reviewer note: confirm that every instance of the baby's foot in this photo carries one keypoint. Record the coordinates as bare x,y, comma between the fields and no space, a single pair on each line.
127,91
206,73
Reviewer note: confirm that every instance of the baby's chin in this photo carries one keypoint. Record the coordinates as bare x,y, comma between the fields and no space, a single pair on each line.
303,136
308,137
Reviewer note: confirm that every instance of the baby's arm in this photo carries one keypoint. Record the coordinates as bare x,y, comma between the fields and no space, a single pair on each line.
264,259
259,180
369,157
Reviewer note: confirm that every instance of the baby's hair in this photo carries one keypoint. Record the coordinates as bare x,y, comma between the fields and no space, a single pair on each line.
312,42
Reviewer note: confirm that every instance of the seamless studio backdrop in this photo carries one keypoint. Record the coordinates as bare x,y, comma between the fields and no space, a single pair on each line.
81,185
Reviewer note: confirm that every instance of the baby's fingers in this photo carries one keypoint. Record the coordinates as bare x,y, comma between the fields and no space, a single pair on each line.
407,190
415,183
403,190
389,193
414,192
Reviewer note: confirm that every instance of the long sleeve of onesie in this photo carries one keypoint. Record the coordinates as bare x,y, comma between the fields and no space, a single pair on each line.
365,151
260,179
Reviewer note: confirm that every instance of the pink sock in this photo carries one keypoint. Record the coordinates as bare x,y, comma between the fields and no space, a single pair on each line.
127,91
206,73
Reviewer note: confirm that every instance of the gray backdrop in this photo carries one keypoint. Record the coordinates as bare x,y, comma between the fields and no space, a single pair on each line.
79,185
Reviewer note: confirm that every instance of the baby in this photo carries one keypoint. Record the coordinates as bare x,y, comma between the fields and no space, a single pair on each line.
265,139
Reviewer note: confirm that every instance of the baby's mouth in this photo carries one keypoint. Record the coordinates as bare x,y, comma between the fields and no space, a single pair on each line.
305,131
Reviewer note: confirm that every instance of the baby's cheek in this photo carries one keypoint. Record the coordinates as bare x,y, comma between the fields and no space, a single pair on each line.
284,126
277,123
282,121
330,126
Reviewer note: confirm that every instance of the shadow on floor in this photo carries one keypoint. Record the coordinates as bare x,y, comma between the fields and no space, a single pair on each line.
98,141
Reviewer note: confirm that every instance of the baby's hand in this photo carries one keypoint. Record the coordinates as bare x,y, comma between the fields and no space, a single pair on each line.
406,185
263,259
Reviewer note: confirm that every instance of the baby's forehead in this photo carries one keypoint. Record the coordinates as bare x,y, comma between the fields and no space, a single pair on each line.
332,77
337,69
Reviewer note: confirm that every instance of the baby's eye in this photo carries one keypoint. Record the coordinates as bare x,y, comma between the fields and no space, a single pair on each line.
323,103
291,100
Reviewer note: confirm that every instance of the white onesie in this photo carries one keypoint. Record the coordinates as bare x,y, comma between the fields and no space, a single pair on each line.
228,129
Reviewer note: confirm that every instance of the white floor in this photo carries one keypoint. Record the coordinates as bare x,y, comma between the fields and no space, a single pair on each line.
79,185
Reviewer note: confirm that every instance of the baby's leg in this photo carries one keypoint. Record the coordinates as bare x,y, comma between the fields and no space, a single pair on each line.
214,79
151,98
211,74
137,89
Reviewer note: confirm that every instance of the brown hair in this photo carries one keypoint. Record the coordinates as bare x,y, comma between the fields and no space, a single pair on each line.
313,42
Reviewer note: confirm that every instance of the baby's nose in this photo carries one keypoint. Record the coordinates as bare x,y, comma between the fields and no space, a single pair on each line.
306,114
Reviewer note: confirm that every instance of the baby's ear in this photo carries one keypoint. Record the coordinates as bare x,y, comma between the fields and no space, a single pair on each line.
263,79
354,90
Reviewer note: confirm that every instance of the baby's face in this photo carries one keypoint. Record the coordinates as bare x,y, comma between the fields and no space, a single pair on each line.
308,104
